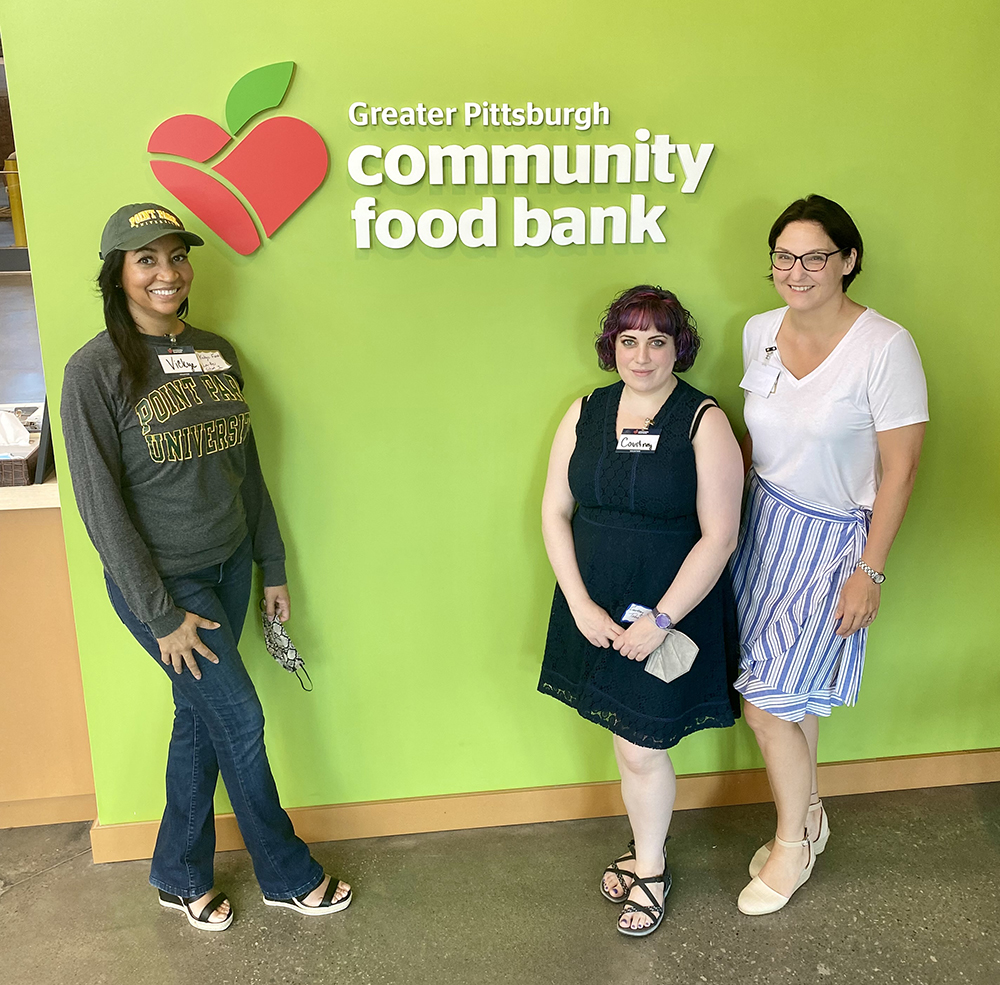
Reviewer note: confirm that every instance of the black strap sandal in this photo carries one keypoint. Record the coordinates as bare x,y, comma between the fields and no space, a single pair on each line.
622,875
619,875
325,907
201,921
654,911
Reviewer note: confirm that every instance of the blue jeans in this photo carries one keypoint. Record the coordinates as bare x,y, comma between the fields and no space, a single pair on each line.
219,726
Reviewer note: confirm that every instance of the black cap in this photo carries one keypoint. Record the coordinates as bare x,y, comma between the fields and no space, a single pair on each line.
133,226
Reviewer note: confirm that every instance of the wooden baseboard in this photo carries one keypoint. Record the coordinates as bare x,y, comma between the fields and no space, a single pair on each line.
338,822
48,810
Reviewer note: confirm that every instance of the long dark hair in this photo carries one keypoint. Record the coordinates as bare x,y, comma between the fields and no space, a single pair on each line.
127,339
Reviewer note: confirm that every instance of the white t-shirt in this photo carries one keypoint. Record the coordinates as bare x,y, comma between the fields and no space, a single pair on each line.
815,437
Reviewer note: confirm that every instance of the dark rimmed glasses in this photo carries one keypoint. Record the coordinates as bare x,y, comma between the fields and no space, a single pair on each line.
813,262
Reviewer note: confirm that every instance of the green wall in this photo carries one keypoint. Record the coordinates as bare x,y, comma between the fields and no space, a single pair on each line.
404,400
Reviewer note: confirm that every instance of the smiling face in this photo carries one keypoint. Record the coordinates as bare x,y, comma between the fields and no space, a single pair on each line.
156,278
806,290
645,359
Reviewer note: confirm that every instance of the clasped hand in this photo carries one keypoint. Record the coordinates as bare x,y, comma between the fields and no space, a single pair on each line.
640,639
637,642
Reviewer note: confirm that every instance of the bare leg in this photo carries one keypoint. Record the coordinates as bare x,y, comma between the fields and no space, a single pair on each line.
648,789
790,772
810,729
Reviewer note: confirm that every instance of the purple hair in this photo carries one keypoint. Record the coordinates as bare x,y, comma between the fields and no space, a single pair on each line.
647,308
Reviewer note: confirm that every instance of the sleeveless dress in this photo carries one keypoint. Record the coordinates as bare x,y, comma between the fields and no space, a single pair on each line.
635,523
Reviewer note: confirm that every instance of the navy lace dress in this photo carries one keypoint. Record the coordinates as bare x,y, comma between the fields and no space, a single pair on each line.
635,523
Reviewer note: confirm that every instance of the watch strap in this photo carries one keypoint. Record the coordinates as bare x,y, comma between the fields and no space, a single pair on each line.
876,576
660,618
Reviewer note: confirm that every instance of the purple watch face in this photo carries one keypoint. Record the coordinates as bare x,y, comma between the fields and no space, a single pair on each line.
663,621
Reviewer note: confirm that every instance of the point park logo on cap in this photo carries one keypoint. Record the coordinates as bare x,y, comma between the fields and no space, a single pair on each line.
276,166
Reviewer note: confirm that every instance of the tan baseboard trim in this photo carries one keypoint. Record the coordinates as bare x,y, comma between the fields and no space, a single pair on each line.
48,810
338,822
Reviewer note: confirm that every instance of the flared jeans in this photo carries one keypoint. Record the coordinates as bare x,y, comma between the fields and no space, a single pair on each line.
219,727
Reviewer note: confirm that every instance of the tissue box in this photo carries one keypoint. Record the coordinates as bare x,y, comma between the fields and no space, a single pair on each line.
20,471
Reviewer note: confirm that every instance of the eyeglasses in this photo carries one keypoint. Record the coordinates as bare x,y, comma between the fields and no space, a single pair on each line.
813,262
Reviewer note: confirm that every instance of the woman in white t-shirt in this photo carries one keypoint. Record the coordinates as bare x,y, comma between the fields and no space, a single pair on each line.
836,405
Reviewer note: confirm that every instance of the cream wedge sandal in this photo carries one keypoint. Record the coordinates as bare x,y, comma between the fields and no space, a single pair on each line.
759,898
819,845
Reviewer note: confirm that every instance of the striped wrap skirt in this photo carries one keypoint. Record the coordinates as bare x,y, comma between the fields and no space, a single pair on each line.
791,563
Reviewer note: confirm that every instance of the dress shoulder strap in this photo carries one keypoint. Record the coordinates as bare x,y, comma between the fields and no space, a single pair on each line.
700,413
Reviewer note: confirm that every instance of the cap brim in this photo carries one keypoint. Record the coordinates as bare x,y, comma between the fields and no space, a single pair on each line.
143,237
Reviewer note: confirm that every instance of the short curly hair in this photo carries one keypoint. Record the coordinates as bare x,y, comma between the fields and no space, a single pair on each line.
646,308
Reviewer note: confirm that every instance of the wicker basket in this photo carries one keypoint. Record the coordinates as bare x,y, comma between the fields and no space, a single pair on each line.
18,471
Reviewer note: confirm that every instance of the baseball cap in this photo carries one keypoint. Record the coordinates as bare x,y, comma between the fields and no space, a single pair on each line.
133,226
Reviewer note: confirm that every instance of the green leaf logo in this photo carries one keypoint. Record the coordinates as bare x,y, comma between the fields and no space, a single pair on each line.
261,89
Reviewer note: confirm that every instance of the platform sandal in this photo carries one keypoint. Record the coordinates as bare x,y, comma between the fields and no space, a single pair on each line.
819,845
654,910
325,907
758,898
201,921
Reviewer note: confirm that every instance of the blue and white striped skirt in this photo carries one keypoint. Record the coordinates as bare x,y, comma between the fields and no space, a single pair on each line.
792,561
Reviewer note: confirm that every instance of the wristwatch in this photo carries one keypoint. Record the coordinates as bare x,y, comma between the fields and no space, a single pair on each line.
662,620
876,576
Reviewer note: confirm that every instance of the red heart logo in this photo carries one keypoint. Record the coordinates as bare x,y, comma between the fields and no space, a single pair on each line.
276,166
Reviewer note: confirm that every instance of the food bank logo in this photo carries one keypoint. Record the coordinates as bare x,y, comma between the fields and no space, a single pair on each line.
276,166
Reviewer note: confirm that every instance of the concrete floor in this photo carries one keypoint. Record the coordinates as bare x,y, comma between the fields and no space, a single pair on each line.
906,892
21,377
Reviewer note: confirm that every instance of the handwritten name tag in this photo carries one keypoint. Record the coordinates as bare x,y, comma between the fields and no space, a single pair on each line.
212,360
180,362
637,441
633,612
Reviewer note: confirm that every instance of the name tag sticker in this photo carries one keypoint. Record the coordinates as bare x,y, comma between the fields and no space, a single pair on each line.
635,611
760,379
180,362
211,360
638,441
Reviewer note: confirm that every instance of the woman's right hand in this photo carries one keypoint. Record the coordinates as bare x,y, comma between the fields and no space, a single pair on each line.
179,647
596,624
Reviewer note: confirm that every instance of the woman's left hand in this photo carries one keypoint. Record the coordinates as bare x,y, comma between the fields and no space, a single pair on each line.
640,639
858,605
277,602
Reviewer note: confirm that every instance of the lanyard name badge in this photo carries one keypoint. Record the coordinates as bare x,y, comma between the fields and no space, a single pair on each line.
761,378
638,441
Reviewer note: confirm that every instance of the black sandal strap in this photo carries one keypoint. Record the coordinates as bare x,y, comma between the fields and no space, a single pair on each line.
613,870
327,900
210,907
620,874
633,907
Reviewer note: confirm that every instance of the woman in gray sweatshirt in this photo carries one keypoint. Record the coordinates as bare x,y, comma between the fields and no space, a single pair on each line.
167,480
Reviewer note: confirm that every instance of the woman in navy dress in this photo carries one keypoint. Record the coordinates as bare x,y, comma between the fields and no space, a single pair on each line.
651,528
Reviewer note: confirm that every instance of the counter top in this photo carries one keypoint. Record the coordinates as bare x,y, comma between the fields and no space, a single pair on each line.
34,497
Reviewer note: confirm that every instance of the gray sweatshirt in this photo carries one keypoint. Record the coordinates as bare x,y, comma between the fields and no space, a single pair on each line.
172,484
